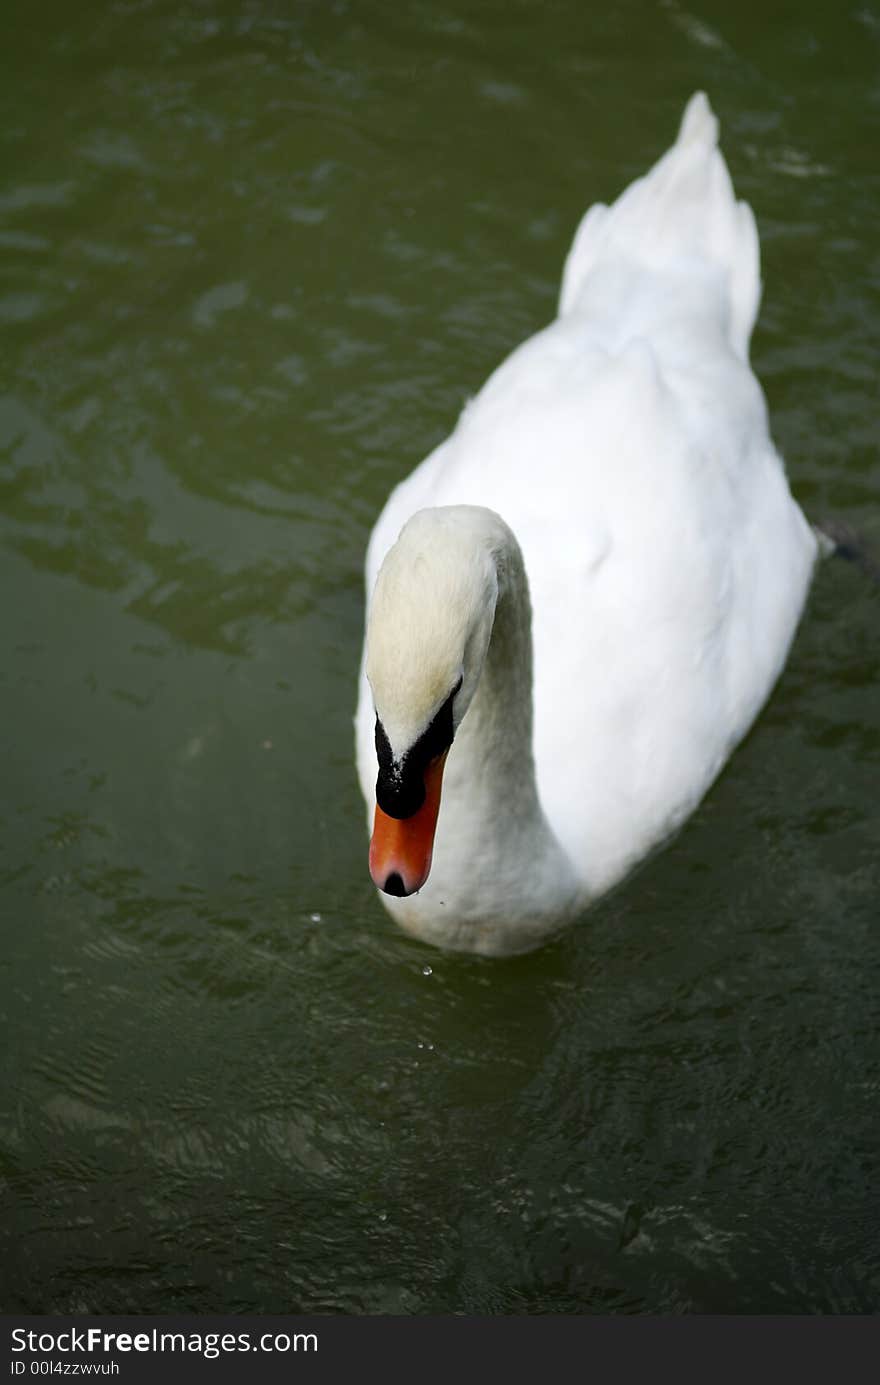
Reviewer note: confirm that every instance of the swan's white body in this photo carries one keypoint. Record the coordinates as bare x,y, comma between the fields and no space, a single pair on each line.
627,448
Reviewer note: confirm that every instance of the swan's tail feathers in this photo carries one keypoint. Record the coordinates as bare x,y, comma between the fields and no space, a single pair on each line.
683,212
699,124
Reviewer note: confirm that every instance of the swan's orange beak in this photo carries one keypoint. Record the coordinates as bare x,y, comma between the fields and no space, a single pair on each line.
401,848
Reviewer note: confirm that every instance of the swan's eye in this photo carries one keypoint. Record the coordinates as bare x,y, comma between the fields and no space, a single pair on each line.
400,787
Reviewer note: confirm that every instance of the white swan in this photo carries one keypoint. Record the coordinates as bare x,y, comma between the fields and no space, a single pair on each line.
585,594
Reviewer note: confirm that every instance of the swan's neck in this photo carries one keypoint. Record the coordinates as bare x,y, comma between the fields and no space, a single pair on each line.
500,880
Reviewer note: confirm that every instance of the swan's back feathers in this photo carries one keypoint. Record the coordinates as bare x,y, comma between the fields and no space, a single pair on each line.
682,218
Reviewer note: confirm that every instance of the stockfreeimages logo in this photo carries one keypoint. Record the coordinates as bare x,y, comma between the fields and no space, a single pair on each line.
74,1340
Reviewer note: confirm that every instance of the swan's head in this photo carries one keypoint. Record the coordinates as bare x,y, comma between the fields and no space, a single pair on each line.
428,631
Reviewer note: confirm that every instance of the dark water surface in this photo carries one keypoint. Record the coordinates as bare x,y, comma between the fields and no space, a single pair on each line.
254,258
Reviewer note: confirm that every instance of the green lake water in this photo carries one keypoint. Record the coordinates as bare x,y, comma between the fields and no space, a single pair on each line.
253,259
